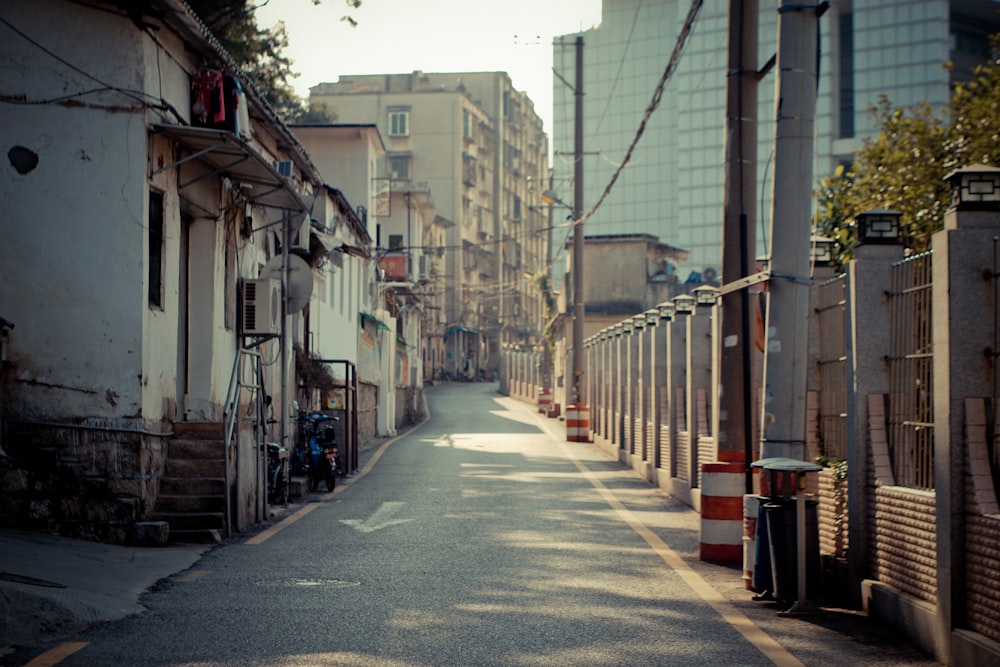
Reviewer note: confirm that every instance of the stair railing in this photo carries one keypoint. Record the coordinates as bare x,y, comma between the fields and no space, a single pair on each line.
232,408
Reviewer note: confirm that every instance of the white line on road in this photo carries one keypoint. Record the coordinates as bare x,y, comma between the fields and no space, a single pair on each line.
382,518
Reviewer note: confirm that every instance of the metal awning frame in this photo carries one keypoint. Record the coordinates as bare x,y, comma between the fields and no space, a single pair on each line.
229,155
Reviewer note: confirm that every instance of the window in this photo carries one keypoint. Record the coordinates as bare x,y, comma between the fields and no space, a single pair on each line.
399,123
395,241
845,82
468,126
155,265
399,165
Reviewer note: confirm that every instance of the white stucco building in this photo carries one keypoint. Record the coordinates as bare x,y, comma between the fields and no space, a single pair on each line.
130,299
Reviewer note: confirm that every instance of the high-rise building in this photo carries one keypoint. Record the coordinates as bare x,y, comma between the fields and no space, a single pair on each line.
479,146
672,188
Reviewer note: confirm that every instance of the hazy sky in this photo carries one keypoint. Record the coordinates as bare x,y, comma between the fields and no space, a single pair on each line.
398,36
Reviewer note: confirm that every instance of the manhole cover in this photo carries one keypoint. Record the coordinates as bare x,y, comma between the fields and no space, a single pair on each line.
31,581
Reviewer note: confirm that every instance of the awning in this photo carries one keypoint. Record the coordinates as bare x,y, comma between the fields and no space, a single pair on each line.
374,320
455,328
229,155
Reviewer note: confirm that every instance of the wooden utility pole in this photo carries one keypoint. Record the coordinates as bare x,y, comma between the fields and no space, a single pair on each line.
786,356
738,236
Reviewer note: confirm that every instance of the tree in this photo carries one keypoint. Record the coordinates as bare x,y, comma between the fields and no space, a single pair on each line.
835,214
902,169
904,166
260,54
974,136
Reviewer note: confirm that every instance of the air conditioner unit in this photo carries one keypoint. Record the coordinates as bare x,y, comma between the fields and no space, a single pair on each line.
261,307
285,168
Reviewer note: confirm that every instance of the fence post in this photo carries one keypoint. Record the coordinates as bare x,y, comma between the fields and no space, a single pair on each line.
963,265
867,278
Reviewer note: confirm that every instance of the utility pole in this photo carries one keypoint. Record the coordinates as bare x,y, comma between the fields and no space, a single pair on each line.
738,236
786,357
578,301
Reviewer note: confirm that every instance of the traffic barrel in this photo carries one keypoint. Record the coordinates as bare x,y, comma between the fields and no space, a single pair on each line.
544,400
722,512
577,423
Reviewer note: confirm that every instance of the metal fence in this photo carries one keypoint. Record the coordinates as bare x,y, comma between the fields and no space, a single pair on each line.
830,306
911,379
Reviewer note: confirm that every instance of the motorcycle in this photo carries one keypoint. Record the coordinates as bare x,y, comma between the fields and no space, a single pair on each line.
319,458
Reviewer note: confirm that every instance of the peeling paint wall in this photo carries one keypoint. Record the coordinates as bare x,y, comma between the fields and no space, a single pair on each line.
74,223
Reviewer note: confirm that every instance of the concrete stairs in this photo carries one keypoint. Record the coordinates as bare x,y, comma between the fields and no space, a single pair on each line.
192,498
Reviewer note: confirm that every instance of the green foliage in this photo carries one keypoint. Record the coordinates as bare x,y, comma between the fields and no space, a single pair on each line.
902,169
974,136
544,286
835,214
904,166
260,54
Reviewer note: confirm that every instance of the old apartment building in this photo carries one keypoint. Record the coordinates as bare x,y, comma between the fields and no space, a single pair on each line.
478,145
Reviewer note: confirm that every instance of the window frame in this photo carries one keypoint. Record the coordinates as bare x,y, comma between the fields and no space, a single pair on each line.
399,122
155,246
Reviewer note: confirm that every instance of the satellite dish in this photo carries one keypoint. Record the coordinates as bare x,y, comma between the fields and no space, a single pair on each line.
300,280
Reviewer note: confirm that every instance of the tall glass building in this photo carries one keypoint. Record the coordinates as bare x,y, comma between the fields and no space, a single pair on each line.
672,187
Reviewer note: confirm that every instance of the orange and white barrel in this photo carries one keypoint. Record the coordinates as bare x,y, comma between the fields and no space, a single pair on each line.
722,487
544,400
577,423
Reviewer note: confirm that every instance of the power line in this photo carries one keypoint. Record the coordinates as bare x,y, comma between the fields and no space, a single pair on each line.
654,102
618,74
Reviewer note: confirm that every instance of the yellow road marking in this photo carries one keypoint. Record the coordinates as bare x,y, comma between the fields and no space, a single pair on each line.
766,644
194,575
281,525
56,655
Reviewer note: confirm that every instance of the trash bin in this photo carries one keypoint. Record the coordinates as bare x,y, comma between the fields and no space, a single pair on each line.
763,577
783,544
777,567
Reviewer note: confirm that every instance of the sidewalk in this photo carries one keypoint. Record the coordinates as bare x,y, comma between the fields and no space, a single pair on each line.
53,586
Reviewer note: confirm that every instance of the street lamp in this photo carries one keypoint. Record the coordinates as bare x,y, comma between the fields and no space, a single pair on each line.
878,226
706,295
975,188
652,316
638,322
822,250
683,304
666,310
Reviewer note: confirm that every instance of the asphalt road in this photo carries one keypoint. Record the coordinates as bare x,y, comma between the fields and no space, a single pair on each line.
480,538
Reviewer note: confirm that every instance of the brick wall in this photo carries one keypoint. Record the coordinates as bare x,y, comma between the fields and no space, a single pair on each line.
982,528
903,541
901,521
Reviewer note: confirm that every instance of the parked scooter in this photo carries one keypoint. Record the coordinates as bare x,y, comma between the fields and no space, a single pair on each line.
319,458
